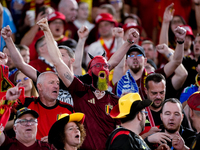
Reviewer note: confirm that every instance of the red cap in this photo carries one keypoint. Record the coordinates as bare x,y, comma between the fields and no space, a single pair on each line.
132,25
194,101
105,17
189,31
56,15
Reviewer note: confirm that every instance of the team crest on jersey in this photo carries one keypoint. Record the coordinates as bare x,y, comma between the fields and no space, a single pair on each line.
108,108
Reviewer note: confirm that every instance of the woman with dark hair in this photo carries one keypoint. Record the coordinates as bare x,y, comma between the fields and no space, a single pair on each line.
68,132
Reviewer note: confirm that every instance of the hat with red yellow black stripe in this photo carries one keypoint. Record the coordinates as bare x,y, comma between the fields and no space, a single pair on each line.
62,120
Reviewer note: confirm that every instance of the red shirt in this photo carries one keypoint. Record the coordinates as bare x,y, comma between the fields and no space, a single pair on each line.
98,123
32,50
40,65
71,31
16,145
47,115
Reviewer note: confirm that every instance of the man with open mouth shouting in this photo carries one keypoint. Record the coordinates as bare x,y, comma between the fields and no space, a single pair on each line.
93,100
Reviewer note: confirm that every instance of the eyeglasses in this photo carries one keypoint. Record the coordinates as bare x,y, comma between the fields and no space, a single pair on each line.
100,65
25,78
145,112
139,55
26,122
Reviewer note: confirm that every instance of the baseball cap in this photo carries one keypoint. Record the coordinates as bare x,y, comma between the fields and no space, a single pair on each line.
24,111
56,15
136,47
194,101
130,103
62,120
132,25
105,17
188,31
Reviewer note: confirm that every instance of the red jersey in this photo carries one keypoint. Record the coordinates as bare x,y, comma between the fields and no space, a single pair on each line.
98,123
47,115
41,66
13,144
33,52
71,31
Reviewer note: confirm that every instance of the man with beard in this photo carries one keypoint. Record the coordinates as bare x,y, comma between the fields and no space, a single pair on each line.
93,100
194,117
131,111
172,116
155,88
134,79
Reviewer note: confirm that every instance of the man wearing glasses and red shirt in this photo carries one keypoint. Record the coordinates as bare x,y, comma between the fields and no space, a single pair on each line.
25,127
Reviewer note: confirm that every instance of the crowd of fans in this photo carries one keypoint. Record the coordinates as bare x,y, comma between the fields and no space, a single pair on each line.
81,74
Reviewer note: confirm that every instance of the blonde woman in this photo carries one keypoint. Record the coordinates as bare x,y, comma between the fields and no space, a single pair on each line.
27,83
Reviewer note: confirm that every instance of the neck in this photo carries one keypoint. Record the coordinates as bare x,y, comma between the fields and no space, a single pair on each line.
68,147
57,38
155,109
196,57
48,103
187,52
137,75
107,37
132,126
81,20
26,142
172,134
28,93
118,16
46,57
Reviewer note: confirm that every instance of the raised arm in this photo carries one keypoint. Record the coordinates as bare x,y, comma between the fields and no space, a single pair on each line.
11,94
167,17
83,34
29,36
121,52
120,68
197,14
16,56
180,74
171,66
63,71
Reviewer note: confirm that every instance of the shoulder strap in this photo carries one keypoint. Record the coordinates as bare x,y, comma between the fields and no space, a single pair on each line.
114,134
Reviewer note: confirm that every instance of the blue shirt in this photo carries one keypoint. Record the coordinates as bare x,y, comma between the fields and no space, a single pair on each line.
7,20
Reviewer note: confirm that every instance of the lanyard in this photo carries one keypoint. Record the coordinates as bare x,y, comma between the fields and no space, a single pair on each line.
108,54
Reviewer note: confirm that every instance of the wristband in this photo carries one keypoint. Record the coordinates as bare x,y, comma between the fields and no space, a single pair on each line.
130,42
170,54
180,42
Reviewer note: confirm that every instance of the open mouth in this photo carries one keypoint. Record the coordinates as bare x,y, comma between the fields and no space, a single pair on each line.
28,130
57,29
102,74
55,92
77,136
